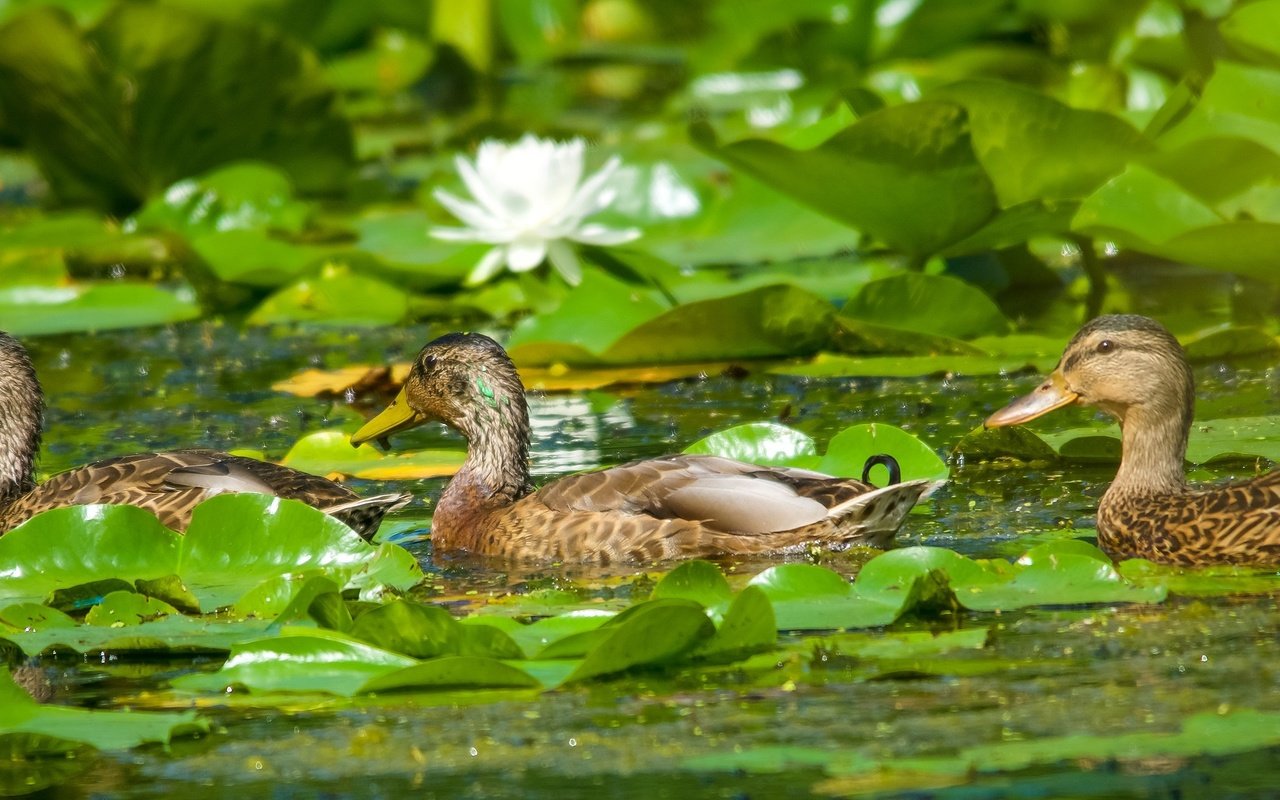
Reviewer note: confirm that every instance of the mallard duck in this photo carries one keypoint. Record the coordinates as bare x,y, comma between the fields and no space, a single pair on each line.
674,507
1132,368
168,484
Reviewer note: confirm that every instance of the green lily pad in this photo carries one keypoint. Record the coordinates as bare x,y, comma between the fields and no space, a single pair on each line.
92,306
68,546
535,637
453,672
240,196
748,626
123,609
105,730
414,629
252,257
334,296
920,313
33,617
777,445
327,452
173,634
299,663
697,580
1036,148
849,450
759,443
234,542
930,190
653,633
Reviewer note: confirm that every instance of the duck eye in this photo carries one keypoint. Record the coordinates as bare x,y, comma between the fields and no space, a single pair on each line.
1106,346
429,362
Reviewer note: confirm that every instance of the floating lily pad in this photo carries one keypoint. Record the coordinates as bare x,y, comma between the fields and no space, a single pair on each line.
240,196
330,452
234,542
777,445
654,633
334,296
92,306
105,730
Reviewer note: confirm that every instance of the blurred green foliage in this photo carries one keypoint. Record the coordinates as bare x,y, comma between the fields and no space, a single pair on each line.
277,157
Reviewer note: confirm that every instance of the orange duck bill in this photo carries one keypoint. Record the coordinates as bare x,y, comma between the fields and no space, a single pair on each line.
1051,394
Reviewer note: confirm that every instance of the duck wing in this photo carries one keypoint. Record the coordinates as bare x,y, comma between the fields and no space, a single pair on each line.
722,493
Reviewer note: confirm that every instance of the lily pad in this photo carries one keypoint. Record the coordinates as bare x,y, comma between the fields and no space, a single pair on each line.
234,542
240,196
92,306
929,189
105,730
334,296
654,633
299,663
920,313
330,452
453,672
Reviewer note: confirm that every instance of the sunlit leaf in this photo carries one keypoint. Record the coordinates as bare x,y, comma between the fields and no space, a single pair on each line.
654,633
906,175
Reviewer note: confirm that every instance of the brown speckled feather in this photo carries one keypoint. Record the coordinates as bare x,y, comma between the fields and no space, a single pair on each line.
675,507
1234,524
1135,370
168,484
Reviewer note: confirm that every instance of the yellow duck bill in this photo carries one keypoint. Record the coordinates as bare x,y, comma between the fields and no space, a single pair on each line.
394,418
1051,394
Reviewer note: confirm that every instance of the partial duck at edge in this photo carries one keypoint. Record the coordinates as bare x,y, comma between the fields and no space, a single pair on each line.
169,484
1132,368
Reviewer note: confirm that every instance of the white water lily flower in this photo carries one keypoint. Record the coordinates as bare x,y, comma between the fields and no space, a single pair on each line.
530,202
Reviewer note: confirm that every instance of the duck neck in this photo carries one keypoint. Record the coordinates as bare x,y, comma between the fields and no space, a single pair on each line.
496,427
21,418
1154,449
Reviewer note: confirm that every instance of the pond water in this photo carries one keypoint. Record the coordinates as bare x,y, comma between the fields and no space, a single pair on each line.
1045,672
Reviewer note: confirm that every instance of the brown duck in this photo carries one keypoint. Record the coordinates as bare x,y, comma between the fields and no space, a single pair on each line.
674,507
1132,368
170,485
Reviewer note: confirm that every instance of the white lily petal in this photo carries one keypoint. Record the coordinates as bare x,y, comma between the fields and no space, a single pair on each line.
600,234
488,266
525,254
478,188
585,200
470,213
565,262
470,235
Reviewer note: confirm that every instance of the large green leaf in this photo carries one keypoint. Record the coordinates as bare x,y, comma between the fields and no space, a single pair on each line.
906,175
453,672
849,450
143,99
651,634
759,443
92,306
1036,148
234,543
334,296
919,313
299,663
171,634
105,730
239,196
1255,28
68,546
1238,100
